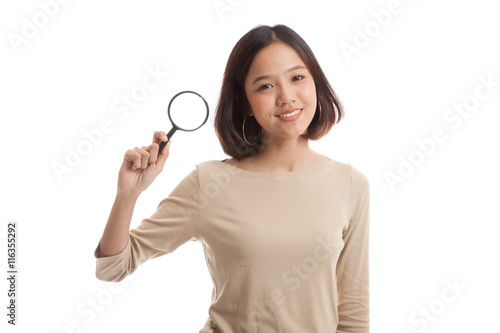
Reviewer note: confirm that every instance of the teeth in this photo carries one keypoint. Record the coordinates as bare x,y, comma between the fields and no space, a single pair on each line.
290,114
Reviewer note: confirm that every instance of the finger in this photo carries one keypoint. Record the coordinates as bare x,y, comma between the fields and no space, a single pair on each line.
166,148
153,152
162,157
159,137
133,157
148,149
137,158
144,157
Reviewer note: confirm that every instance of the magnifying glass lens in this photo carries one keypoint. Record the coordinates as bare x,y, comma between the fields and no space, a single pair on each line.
188,111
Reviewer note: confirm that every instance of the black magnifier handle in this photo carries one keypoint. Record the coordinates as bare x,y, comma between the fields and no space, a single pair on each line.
170,134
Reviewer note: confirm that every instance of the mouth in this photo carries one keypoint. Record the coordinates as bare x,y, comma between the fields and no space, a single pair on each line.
291,116
289,113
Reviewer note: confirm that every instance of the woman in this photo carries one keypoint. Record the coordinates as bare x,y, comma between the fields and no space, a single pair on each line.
284,229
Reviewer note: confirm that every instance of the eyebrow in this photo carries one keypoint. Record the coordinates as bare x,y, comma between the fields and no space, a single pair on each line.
258,78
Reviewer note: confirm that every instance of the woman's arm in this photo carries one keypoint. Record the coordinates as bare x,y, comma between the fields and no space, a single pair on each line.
139,168
174,223
353,265
116,233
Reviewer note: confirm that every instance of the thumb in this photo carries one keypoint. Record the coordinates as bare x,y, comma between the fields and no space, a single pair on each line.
162,158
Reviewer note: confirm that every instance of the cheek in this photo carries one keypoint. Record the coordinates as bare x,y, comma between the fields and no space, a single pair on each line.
260,101
308,92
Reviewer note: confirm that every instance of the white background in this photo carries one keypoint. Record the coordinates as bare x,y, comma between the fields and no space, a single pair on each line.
439,225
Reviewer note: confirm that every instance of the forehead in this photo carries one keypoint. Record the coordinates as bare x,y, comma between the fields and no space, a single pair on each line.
275,59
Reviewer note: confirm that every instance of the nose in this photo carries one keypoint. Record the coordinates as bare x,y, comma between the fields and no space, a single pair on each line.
286,95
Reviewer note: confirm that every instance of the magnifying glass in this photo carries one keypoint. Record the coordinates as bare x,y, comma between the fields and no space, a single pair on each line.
190,111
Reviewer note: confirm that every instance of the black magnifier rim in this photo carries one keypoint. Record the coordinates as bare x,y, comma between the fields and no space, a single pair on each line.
174,124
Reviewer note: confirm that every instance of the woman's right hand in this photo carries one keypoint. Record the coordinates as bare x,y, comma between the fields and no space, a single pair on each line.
141,166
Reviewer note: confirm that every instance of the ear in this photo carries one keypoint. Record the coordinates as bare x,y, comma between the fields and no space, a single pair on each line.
249,109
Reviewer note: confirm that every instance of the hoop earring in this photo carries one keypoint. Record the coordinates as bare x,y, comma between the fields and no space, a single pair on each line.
244,137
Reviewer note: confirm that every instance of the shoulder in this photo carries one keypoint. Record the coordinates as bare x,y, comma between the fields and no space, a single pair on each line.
210,169
209,165
359,189
357,179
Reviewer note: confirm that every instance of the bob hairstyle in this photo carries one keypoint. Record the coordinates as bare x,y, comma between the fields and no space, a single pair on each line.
233,105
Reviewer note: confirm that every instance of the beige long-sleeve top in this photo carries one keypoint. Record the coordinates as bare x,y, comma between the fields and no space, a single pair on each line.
287,251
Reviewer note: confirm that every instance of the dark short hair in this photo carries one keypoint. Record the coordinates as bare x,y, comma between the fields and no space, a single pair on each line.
233,104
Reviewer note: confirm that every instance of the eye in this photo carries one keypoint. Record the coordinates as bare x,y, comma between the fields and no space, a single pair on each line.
300,76
262,87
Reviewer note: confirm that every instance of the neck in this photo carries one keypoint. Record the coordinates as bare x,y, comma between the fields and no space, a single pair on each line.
283,155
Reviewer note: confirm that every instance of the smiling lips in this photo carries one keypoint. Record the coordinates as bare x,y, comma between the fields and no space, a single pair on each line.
290,116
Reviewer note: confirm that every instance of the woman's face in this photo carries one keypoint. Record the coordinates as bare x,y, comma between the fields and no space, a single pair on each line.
277,81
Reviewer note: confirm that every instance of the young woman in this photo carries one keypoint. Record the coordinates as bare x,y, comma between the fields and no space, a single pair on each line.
285,230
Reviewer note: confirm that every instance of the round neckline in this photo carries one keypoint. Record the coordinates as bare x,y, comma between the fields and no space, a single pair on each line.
280,173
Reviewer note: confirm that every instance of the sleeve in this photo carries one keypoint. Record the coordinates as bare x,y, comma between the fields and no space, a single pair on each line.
353,264
174,223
